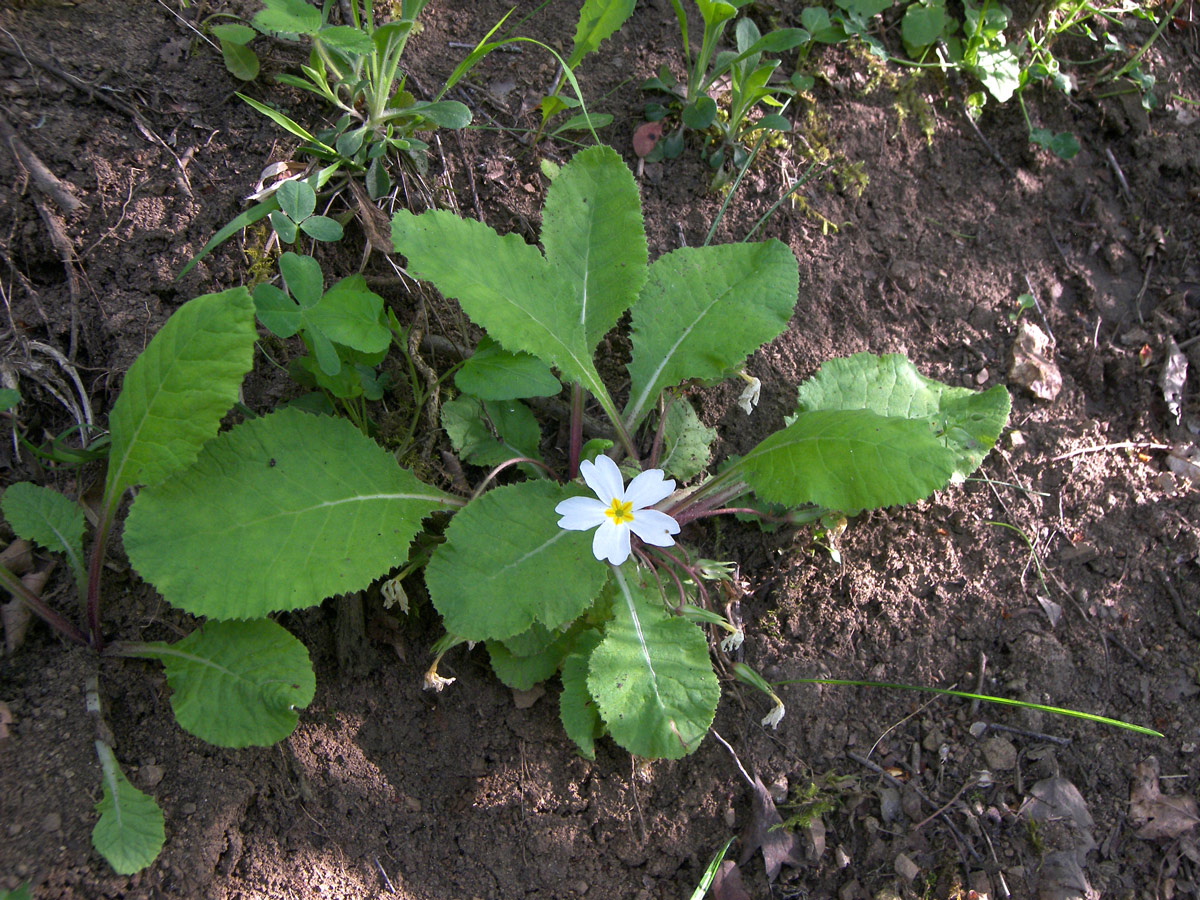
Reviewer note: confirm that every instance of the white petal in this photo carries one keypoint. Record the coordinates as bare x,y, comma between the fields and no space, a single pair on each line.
654,527
612,543
749,396
648,488
580,513
604,478
774,717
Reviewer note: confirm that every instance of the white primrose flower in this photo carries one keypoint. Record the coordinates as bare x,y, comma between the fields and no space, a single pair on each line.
619,510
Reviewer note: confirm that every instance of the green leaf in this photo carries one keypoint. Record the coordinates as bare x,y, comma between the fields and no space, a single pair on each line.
175,394
443,113
240,61
322,228
1000,71
284,227
9,398
302,275
700,114
280,512
687,442
234,33
583,122
506,564
348,314
873,432
50,520
651,677
287,17
489,433
521,671
968,422
594,237
921,26
598,19
130,831
703,311
510,289
576,708
297,199
492,373
236,684
346,39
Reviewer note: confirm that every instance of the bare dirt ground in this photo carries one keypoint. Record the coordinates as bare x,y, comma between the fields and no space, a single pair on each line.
386,791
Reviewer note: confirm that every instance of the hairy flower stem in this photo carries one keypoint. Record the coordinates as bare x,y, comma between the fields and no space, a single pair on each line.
17,588
576,439
691,573
508,463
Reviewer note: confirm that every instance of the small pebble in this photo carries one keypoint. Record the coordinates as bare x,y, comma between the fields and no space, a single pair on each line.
1000,754
188,809
906,868
982,376
52,822
151,775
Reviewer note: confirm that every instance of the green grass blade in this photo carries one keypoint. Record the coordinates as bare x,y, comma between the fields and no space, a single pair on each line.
967,695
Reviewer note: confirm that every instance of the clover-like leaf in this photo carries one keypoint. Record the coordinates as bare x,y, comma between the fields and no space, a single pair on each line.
278,513
506,564
236,684
492,373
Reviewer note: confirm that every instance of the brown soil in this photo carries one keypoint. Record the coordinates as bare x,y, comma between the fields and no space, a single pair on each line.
387,791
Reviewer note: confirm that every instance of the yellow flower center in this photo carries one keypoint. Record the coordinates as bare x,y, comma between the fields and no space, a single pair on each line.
620,512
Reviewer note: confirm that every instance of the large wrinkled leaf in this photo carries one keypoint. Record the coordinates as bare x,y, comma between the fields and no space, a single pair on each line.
703,311
236,684
278,513
594,237
506,564
176,392
968,422
130,831
555,307
47,518
576,708
651,677
873,432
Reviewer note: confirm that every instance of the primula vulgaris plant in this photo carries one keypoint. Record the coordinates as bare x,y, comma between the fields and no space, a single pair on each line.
594,581
596,587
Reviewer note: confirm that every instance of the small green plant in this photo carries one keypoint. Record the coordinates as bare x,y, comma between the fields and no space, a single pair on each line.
748,74
598,20
344,331
355,69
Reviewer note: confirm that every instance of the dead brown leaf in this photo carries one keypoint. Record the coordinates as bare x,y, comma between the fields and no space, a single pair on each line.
778,845
727,885
1158,815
